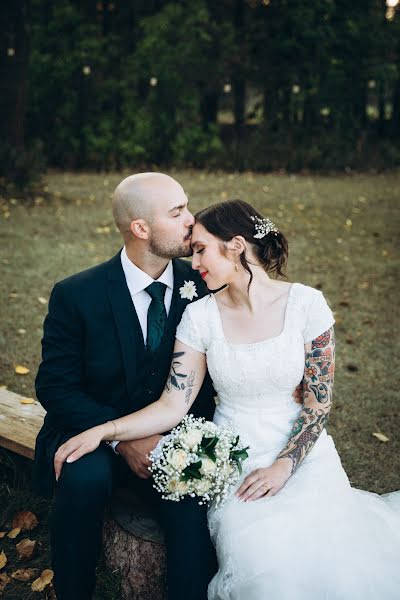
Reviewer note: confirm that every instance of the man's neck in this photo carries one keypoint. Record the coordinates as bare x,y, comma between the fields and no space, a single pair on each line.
154,266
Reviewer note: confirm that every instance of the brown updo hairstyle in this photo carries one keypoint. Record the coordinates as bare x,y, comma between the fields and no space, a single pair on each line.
227,219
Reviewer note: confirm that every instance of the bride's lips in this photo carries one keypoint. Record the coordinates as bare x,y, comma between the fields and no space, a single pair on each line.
204,274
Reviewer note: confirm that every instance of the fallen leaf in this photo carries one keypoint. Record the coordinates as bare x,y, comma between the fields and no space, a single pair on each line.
2,534
3,560
4,579
26,520
23,574
13,295
26,548
14,532
381,437
27,400
21,370
42,300
21,331
40,583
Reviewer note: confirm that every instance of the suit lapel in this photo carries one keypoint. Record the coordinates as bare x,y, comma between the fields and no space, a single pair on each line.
126,320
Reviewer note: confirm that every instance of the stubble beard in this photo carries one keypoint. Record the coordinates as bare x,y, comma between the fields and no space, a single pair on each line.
169,250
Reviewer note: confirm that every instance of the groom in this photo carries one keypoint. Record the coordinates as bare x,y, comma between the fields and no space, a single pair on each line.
107,346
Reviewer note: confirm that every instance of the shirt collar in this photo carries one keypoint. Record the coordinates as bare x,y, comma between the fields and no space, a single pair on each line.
137,280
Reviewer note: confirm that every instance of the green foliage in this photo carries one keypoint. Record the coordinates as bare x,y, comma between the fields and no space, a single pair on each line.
21,169
135,83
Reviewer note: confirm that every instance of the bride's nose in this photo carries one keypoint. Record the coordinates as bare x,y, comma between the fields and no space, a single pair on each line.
195,261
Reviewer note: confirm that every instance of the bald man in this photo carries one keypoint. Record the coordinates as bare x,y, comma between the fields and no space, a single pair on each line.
107,346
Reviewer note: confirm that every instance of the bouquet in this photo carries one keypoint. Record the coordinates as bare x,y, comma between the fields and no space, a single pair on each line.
198,458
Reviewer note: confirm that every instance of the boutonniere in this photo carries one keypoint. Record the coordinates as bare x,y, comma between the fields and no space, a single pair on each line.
188,291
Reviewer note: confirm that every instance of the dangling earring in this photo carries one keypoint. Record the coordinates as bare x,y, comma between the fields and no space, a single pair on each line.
236,267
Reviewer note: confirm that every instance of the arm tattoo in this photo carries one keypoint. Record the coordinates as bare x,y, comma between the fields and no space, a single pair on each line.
180,381
317,385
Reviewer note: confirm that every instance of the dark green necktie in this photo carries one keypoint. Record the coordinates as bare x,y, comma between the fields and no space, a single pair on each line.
156,315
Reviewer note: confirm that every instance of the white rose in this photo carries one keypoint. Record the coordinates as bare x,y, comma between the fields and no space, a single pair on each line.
181,487
207,466
202,486
191,439
177,458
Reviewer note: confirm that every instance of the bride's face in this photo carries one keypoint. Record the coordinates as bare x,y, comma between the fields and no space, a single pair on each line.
216,268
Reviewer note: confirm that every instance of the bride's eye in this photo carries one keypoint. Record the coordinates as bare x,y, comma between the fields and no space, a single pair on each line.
199,251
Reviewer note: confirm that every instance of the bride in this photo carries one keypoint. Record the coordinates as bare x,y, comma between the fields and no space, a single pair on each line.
294,527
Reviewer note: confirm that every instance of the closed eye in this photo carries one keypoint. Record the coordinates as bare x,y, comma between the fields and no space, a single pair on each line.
200,251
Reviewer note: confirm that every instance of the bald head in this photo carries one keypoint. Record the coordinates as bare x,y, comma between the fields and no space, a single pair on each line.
140,196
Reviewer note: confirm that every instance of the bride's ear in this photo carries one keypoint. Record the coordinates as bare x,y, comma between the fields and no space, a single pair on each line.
237,245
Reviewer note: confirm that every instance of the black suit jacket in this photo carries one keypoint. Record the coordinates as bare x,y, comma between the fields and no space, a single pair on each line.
90,355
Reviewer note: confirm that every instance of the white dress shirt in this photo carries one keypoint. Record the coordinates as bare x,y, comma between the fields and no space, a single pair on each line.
137,282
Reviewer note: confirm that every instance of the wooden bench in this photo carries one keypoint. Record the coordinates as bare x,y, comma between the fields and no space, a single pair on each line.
133,540
19,423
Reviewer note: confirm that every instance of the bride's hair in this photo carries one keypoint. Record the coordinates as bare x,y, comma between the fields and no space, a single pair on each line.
225,220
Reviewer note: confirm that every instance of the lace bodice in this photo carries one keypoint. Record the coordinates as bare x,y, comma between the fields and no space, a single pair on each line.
262,375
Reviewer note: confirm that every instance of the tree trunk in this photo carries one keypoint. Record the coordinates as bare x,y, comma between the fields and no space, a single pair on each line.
13,72
141,563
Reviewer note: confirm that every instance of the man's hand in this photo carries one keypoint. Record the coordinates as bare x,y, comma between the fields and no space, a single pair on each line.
298,394
135,453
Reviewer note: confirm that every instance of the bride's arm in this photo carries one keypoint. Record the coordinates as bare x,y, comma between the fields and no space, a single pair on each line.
186,376
317,385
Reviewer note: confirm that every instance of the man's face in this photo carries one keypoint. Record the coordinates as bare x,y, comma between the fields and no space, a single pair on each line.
171,226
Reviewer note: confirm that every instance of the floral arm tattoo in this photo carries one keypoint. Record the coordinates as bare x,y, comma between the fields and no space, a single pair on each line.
317,386
180,381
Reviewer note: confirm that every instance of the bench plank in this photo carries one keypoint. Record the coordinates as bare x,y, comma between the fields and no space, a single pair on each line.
19,423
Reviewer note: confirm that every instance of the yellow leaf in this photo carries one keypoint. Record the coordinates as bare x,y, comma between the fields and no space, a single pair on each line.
27,400
3,534
42,300
14,532
40,583
25,519
21,331
21,370
381,437
3,560
26,548
23,574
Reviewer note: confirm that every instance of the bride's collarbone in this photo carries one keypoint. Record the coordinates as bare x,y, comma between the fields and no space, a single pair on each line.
245,327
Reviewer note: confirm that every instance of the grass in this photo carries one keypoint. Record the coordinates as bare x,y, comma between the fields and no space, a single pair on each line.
342,234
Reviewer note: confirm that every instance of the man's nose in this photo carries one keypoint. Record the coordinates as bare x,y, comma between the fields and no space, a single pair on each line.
189,219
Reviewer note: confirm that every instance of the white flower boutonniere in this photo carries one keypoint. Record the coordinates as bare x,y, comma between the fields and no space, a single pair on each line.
188,291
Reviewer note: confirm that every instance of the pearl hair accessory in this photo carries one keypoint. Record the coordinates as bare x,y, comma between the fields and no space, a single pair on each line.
263,227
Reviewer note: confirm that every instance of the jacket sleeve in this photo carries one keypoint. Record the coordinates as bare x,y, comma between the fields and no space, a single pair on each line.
59,382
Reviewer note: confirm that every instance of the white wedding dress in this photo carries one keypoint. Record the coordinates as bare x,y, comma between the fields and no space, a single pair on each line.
318,538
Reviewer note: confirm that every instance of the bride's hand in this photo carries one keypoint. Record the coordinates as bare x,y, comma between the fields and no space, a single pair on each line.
266,481
78,446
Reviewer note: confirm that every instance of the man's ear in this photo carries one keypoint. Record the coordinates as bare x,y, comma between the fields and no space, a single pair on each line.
140,229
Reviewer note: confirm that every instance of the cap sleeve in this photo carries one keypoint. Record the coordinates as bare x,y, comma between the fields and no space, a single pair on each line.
319,317
189,329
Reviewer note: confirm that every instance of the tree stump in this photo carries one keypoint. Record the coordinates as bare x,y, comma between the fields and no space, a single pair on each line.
133,544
